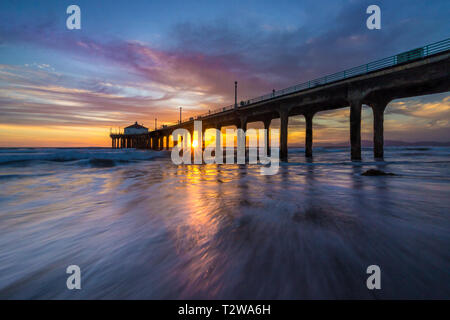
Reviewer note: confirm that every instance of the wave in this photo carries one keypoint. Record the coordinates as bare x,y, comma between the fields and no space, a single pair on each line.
20,176
361,163
93,157
106,157
386,148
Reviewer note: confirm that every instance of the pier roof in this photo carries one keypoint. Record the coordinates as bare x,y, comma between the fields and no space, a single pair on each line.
136,126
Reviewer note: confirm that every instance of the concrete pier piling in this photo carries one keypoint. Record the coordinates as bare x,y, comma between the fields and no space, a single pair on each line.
378,128
308,134
355,129
284,118
267,136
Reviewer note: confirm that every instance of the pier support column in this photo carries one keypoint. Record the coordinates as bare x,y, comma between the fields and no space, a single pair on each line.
203,138
284,118
242,123
355,129
309,134
218,140
378,128
167,142
267,136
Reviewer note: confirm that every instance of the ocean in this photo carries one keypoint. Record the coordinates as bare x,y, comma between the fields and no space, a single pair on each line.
140,227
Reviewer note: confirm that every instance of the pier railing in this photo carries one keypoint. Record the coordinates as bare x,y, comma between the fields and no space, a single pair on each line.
404,57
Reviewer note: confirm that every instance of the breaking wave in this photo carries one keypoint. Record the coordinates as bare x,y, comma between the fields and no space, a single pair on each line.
95,157
141,227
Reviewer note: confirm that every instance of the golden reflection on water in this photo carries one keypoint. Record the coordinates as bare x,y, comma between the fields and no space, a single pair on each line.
157,230
198,225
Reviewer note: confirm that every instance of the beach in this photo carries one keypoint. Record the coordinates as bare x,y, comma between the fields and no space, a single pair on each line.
140,227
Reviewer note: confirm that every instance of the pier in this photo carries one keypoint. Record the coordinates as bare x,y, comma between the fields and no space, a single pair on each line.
421,71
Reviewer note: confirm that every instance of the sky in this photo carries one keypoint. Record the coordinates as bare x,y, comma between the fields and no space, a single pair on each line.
141,60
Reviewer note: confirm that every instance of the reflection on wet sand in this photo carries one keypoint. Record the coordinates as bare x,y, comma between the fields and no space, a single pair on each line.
156,230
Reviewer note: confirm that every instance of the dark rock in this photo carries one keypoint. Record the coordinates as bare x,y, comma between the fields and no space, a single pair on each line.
102,163
375,172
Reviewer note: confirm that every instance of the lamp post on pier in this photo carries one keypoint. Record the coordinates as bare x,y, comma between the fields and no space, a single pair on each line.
235,94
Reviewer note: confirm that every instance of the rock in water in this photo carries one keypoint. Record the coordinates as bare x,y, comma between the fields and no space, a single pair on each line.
375,172
102,163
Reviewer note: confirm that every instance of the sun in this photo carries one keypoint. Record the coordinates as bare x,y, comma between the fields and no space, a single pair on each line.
195,144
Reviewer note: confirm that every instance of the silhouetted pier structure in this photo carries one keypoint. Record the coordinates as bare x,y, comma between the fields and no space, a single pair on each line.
417,72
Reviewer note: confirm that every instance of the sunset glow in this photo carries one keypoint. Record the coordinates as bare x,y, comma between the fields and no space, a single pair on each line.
69,88
224,158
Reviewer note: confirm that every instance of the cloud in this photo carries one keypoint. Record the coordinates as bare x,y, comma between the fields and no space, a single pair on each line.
208,58
32,96
123,80
435,107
